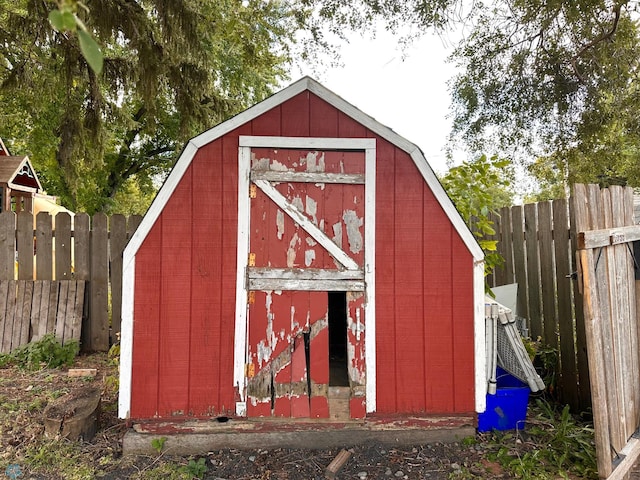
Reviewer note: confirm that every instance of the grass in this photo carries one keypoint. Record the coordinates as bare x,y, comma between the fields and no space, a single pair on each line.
554,444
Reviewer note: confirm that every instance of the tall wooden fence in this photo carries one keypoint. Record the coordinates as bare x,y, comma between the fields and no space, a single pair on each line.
64,248
538,242
608,249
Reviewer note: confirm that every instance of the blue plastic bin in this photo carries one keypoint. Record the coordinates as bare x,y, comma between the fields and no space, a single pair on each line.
507,409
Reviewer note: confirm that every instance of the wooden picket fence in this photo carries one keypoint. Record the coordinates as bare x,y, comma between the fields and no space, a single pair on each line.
608,272
80,248
539,243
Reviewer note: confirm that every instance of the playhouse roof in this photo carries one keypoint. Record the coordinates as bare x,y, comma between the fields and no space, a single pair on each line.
304,84
18,174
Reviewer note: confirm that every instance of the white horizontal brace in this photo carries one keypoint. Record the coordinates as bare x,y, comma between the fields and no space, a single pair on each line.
306,285
303,273
307,143
317,234
306,177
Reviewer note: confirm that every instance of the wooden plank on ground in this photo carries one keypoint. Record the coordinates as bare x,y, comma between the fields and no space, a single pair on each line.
24,243
44,246
7,245
533,270
337,463
566,329
63,246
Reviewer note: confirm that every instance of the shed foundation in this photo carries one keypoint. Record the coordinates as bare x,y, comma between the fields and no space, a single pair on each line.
196,437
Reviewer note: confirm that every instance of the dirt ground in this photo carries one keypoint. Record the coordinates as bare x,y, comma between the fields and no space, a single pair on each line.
25,451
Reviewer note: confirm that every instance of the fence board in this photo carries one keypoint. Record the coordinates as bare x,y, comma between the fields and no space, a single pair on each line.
25,292
495,219
52,306
9,309
24,239
584,389
611,324
566,330
547,276
63,246
517,228
628,214
117,242
44,246
98,325
82,246
533,270
7,245
507,245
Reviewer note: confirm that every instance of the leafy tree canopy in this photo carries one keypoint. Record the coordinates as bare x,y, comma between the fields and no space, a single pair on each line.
556,81
547,80
478,188
171,68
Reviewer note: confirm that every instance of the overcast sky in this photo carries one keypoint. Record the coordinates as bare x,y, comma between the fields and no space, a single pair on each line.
407,95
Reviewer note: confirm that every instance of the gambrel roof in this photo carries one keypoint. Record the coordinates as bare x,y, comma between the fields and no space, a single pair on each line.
304,84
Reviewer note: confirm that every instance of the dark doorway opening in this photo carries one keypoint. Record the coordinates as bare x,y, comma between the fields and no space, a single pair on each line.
338,373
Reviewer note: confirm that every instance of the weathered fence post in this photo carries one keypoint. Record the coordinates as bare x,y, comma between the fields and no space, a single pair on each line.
98,339
7,245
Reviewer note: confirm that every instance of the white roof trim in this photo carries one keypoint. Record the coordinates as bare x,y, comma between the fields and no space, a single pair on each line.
294,89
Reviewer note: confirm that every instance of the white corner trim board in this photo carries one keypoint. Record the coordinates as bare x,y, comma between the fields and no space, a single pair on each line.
480,353
126,340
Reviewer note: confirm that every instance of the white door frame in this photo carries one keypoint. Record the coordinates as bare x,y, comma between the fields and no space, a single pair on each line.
246,143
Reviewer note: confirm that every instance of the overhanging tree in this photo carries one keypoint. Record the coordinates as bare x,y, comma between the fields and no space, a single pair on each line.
556,81
171,69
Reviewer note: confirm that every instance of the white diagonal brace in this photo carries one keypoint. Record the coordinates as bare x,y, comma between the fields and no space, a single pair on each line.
297,216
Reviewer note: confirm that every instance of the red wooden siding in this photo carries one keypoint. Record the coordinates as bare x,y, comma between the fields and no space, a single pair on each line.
185,281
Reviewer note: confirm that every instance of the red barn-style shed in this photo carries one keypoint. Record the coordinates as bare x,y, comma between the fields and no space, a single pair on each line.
302,260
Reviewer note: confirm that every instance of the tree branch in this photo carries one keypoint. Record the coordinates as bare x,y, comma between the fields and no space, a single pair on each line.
600,38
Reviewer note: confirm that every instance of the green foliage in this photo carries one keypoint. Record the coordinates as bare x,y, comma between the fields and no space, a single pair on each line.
560,446
112,382
47,352
62,459
171,69
158,443
195,468
478,188
64,19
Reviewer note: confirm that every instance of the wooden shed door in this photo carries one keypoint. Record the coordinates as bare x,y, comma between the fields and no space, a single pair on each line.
305,277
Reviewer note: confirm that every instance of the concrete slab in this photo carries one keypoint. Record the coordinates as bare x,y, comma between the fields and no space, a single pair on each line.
196,437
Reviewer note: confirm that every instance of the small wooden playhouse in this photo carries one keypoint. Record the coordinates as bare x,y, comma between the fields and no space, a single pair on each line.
302,260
